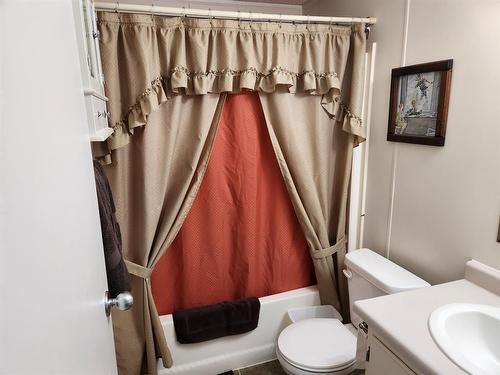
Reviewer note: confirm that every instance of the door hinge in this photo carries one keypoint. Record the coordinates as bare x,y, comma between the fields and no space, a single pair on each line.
368,355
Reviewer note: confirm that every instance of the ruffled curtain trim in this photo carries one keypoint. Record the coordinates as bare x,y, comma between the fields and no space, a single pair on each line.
181,81
147,60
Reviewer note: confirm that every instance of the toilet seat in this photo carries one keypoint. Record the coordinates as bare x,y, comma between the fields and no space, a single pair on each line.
292,370
318,345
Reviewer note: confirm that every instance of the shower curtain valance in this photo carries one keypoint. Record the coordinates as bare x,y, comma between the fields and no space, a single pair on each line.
150,59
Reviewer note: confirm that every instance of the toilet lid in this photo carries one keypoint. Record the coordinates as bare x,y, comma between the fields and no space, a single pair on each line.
318,344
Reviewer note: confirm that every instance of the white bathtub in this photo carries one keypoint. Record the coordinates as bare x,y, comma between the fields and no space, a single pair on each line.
232,352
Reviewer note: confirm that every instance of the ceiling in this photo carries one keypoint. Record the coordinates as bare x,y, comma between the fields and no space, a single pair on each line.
214,2
290,2
262,6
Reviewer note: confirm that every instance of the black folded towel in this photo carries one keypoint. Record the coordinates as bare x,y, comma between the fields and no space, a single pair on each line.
116,270
213,321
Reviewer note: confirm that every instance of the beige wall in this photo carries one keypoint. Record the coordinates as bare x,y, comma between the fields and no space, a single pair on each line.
446,201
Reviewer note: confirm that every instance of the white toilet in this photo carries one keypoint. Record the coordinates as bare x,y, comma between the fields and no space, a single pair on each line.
319,345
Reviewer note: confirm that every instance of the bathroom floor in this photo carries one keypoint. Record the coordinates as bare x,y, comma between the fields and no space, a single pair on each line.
268,368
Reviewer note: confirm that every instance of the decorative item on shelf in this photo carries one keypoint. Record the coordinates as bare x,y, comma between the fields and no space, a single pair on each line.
418,107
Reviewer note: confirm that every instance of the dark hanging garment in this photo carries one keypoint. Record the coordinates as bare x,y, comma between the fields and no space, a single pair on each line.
116,270
219,320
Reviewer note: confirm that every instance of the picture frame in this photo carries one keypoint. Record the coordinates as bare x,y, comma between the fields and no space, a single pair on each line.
418,106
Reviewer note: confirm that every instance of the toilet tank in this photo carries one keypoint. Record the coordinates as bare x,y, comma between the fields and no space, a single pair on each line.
371,275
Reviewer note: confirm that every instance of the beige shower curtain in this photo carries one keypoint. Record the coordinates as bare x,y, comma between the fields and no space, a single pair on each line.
314,158
154,181
314,151
166,80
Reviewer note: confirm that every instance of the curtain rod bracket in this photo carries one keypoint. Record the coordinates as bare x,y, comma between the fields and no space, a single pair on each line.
367,30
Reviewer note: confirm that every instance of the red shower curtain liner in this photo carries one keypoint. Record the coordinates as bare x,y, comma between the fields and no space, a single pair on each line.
241,237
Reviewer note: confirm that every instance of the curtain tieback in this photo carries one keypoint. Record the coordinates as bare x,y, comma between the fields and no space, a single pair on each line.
329,251
138,270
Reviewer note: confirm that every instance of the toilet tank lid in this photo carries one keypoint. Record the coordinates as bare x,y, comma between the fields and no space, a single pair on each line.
381,272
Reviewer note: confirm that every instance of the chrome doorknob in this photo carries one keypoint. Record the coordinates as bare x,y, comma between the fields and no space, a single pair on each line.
122,301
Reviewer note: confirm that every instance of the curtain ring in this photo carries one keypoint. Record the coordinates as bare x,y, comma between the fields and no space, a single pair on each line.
279,23
331,24
210,17
152,12
239,20
308,22
184,15
117,10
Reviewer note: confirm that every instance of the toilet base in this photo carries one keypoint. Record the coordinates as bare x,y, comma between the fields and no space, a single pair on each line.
292,370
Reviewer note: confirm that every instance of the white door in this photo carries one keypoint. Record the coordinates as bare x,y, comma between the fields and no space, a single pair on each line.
52,273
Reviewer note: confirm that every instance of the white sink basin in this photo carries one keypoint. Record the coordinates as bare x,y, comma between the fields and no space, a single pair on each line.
469,335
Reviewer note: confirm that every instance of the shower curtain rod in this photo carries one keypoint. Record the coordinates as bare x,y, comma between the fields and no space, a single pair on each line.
244,16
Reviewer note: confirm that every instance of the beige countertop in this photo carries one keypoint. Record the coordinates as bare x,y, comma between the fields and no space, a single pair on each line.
400,320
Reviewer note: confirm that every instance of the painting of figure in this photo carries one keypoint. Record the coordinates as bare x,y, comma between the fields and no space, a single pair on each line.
417,104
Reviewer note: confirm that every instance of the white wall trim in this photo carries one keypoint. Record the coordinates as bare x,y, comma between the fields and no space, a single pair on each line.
395,146
371,77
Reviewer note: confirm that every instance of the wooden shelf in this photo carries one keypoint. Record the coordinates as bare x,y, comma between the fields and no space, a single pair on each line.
101,135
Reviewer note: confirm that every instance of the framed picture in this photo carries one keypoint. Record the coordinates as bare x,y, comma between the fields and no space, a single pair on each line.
418,106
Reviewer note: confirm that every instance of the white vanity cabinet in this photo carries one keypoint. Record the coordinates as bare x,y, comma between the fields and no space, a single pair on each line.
382,361
90,64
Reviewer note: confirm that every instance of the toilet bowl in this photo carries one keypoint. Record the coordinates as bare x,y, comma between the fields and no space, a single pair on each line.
317,346
321,343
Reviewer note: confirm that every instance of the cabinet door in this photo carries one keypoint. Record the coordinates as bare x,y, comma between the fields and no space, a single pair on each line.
95,41
383,361
90,65
89,38
88,45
